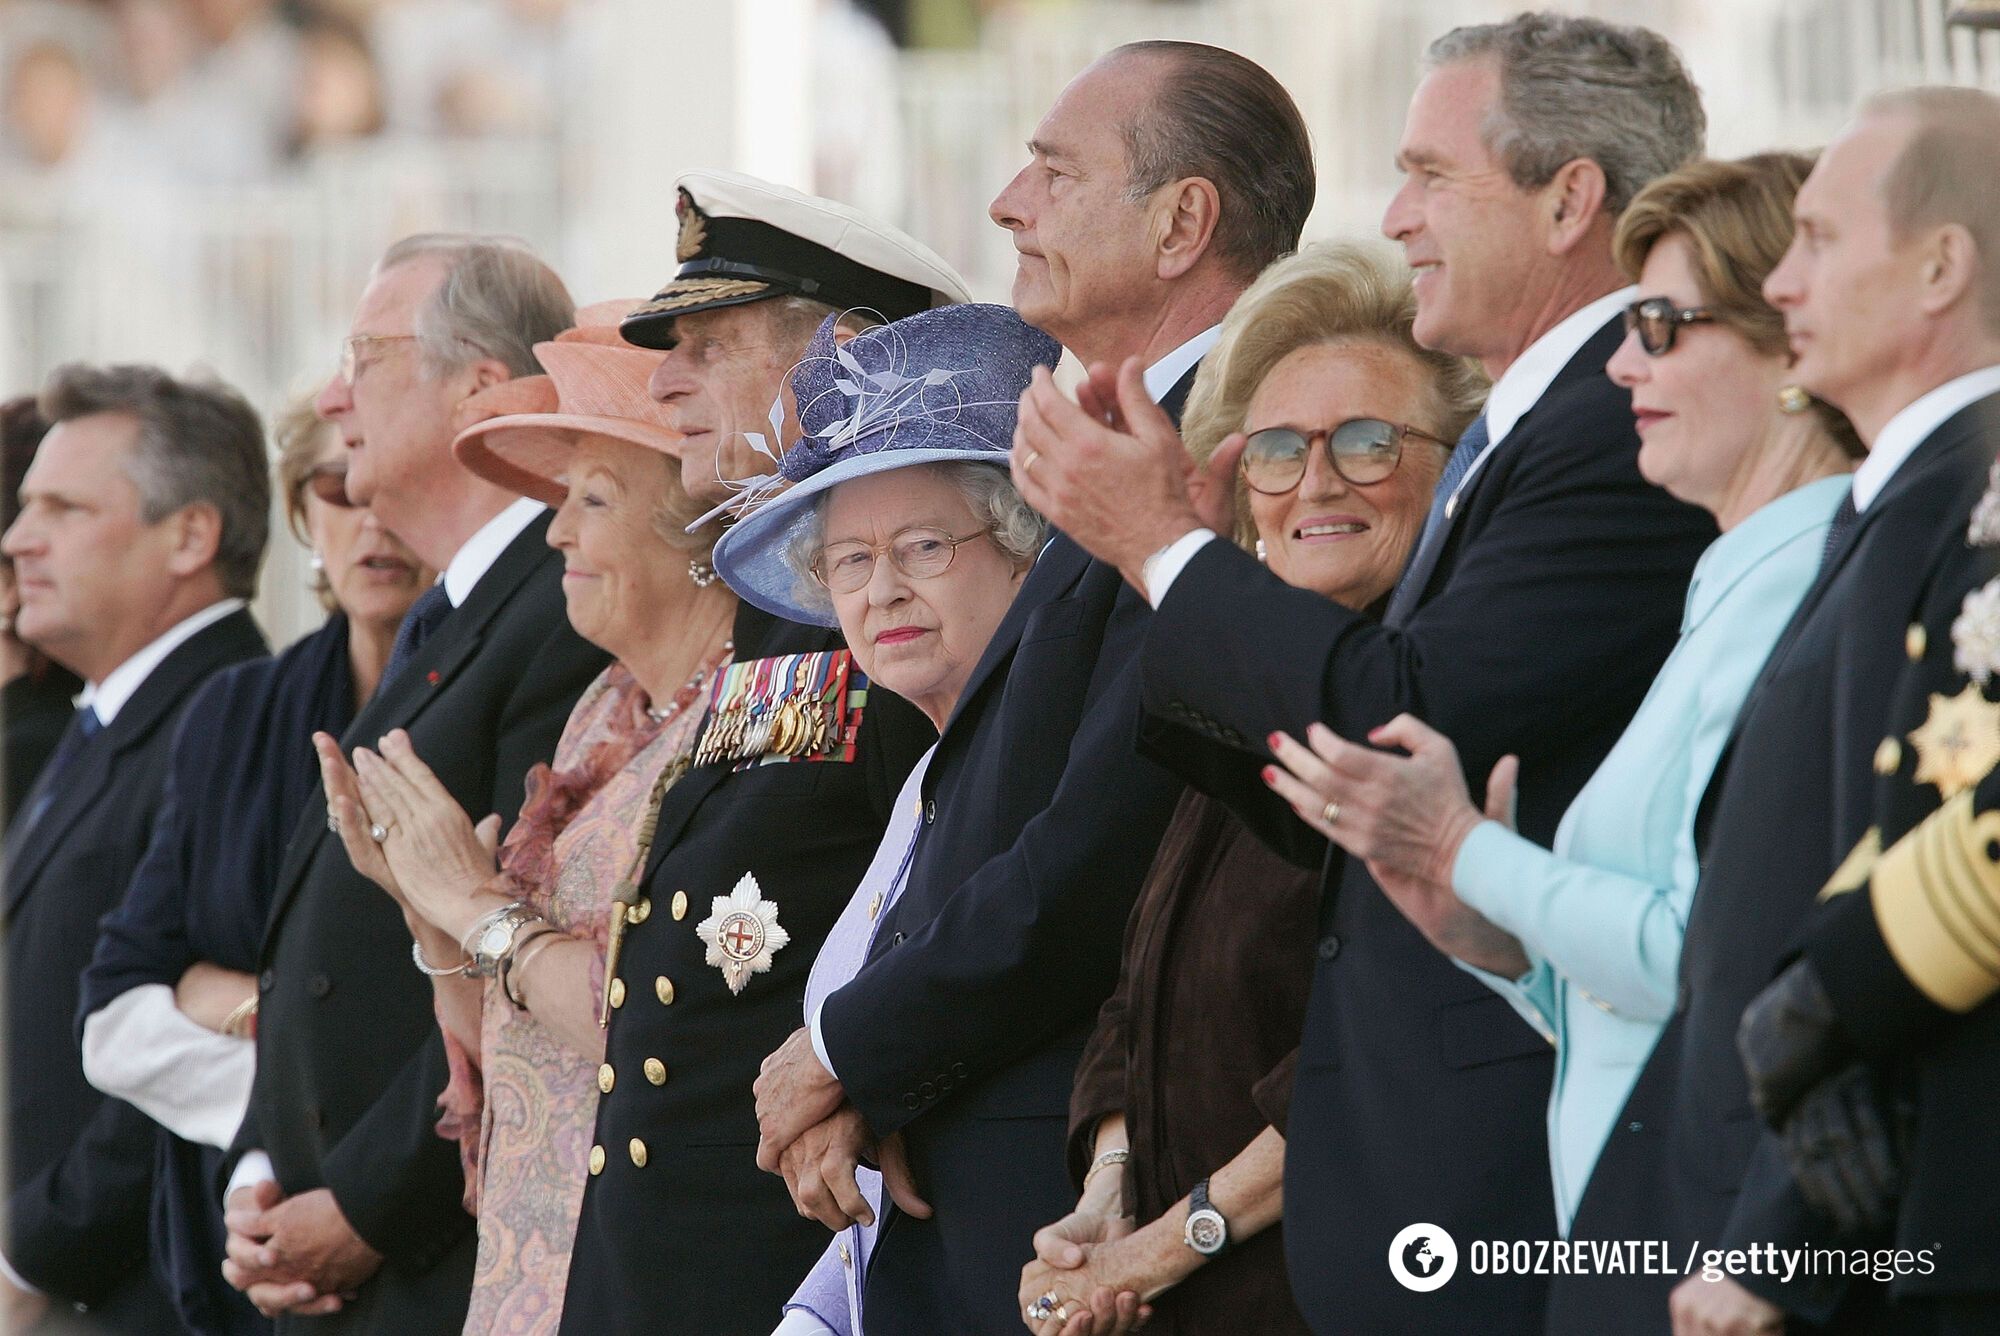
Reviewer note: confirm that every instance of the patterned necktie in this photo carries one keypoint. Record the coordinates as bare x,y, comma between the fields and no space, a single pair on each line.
424,617
1423,558
1844,520
85,726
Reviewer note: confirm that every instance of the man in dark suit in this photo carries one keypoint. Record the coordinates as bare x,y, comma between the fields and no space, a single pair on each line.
142,524
963,1032
1540,601
343,1197
1866,725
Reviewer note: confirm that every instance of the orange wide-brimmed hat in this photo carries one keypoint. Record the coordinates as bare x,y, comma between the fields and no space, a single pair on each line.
520,434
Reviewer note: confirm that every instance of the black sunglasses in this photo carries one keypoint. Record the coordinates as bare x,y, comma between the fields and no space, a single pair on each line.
1657,321
328,482
1361,450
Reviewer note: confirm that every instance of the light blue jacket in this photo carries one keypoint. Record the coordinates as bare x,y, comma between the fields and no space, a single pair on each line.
1602,917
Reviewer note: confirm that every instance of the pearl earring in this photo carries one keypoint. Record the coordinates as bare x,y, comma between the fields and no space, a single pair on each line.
1262,553
318,562
1793,400
701,573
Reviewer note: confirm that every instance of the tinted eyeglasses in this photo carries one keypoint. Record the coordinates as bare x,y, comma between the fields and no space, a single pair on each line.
1361,450
1658,322
328,482
920,553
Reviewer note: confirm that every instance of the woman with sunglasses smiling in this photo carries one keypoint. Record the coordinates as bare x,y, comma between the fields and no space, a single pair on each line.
170,1001
1585,940
1181,1096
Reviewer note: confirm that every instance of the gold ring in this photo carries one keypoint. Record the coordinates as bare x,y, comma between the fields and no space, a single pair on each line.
1028,464
1330,813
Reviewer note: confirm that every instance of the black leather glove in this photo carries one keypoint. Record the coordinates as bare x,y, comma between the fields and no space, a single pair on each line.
1790,1042
1848,1145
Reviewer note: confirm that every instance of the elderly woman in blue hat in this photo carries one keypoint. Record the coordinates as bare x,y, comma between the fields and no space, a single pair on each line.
898,523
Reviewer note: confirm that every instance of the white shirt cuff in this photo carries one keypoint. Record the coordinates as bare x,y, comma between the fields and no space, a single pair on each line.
14,1277
141,1048
819,1041
254,1167
1165,566
802,1322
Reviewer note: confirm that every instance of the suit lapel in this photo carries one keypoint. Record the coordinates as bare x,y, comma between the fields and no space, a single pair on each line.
79,789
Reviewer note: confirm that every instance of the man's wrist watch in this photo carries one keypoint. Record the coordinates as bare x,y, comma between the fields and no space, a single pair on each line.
492,939
1206,1231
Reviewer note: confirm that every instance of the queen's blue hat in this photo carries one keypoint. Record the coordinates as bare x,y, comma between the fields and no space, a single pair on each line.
941,386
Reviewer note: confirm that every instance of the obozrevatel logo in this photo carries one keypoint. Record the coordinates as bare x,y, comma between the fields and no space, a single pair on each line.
1422,1258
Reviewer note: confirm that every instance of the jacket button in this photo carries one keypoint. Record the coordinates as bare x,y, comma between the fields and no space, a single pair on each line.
1329,947
318,986
1915,641
638,1152
663,988
606,1078
596,1160
1888,757
930,810
266,981
656,1071
897,940
680,905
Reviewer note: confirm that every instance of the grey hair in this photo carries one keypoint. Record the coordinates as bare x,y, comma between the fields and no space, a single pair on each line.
199,443
1016,527
1574,87
497,300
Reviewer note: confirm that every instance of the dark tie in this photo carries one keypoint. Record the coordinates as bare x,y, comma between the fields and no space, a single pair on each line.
1843,524
1424,558
83,727
424,617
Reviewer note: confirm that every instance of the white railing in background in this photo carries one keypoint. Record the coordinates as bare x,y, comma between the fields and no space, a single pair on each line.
258,284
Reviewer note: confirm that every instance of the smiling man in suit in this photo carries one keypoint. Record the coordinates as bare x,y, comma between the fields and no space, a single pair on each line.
343,1200
142,525
1165,177
1541,598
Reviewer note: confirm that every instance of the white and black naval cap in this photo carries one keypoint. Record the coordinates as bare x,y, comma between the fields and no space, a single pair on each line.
743,239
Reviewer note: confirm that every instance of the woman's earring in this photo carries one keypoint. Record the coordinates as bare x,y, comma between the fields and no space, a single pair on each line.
1793,400
701,573
1262,554
318,562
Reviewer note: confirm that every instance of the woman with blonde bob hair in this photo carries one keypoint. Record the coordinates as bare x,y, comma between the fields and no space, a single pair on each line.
1585,938
1183,1090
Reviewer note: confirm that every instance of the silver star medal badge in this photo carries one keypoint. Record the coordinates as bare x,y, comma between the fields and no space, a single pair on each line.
742,933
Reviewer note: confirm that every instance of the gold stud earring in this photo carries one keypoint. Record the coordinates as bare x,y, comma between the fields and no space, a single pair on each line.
1793,400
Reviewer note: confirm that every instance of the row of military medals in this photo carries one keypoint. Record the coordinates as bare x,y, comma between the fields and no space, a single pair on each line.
748,723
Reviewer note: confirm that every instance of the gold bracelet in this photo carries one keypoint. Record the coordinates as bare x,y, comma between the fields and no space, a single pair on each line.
240,1022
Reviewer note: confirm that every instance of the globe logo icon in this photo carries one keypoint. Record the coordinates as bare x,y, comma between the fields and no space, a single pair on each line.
1422,1257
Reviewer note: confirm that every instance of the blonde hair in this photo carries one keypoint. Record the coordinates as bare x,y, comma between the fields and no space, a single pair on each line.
1736,217
298,432
1340,292
1944,175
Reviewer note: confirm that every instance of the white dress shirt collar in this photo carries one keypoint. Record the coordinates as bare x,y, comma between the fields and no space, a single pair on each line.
480,551
121,683
1166,373
1902,434
1523,383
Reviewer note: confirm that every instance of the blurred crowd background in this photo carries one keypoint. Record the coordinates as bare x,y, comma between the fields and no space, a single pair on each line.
204,182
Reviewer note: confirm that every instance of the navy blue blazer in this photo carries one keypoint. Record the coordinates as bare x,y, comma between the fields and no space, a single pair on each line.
1040,821
1420,1095
81,1171
243,768
350,1061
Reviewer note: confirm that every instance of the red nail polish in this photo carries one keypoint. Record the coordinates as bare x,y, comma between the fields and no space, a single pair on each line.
1270,774
1271,740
